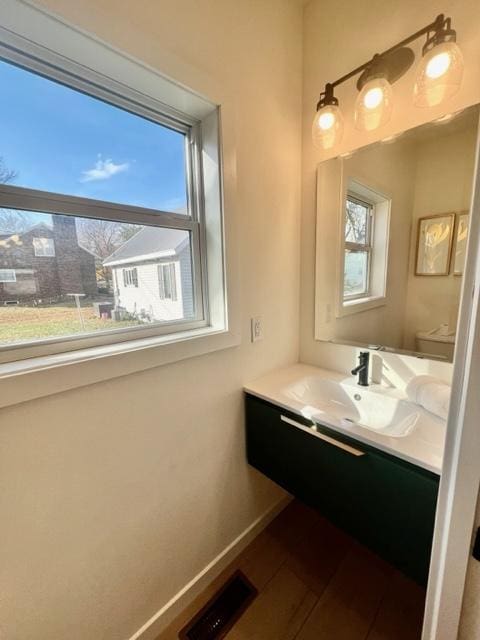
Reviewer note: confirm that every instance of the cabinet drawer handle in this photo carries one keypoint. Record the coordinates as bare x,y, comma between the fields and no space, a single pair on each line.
336,443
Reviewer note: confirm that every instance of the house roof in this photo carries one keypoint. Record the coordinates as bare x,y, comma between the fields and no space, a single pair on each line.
9,234
5,236
149,243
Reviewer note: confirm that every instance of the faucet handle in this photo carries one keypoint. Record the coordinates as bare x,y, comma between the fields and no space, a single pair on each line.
362,368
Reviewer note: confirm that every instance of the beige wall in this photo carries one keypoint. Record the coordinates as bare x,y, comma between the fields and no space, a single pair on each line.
114,496
330,28
443,184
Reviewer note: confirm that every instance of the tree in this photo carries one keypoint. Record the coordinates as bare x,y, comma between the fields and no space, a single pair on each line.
102,238
6,174
356,222
11,221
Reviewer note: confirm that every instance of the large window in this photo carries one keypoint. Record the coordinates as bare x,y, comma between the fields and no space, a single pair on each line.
109,188
358,248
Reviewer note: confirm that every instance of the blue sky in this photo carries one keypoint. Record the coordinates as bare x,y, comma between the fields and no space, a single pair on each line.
60,140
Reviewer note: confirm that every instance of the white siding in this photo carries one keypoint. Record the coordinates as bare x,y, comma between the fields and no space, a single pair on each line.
187,281
144,300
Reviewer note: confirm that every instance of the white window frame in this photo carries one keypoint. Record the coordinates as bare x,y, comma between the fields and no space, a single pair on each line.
379,242
44,249
28,28
130,277
362,247
169,268
11,272
13,197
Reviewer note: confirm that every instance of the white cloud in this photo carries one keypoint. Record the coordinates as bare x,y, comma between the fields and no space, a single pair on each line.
103,170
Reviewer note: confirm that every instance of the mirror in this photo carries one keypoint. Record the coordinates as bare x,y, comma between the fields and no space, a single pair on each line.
392,227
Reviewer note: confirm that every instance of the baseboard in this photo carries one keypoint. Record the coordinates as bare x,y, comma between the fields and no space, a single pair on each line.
164,616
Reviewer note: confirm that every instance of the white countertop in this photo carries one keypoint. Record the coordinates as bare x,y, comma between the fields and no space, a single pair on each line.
423,447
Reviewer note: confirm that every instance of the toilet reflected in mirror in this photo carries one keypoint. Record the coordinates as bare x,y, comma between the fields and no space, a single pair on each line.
392,231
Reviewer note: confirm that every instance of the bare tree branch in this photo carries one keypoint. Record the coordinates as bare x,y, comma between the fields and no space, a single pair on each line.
6,174
103,237
11,221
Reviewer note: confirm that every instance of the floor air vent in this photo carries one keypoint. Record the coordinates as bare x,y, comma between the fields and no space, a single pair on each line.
220,614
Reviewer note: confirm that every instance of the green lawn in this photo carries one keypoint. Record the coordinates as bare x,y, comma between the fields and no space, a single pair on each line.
18,324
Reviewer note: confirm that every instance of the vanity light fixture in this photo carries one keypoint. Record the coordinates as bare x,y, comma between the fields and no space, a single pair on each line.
327,128
440,72
439,76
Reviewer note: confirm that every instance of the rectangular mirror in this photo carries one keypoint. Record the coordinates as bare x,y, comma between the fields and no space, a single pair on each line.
392,227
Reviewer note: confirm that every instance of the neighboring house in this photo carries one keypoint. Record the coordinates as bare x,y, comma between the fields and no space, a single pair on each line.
45,263
152,275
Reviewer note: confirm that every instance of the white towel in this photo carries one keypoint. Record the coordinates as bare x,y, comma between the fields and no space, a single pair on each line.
430,393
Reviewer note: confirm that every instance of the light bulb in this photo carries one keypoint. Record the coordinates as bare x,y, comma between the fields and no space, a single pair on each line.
374,104
439,75
326,121
327,128
438,65
373,98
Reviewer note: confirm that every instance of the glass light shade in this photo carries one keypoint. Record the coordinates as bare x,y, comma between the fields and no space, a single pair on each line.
374,104
327,128
439,75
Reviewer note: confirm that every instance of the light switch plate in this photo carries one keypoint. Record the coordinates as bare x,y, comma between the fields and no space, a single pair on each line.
257,328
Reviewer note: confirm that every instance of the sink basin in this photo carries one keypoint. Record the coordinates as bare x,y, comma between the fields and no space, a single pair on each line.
348,405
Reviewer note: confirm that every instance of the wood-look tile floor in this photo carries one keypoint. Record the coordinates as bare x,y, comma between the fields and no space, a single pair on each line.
316,583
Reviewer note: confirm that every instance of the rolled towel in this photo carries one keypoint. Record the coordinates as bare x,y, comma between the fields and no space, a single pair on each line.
430,393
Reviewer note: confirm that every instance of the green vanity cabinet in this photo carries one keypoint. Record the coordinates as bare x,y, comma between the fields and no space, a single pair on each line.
384,502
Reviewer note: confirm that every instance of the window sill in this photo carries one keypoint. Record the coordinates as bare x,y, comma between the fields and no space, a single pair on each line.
362,304
33,378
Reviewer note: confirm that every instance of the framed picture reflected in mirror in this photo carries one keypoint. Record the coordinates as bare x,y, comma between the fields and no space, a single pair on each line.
434,245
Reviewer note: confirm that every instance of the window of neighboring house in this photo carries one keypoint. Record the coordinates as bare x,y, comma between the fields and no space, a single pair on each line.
44,247
358,248
130,277
125,176
167,281
8,275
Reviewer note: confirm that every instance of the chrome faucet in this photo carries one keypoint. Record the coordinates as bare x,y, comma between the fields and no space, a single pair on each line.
362,368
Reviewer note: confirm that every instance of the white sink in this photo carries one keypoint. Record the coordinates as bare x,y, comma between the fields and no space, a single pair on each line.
349,405
382,417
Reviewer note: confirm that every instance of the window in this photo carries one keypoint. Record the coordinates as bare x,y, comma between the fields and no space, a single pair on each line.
168,282
358,248
122,182
365,238
8,275
44,247
130,278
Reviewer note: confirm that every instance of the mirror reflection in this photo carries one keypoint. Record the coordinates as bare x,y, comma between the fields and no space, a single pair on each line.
392,229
